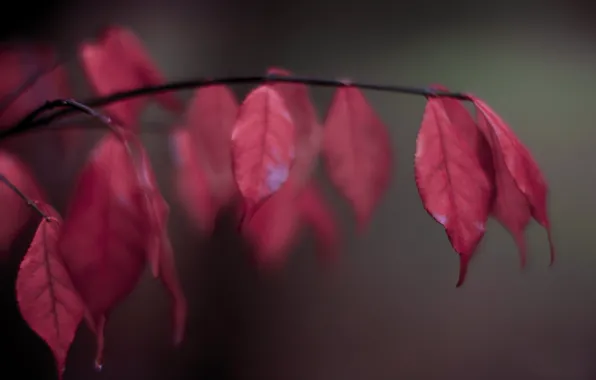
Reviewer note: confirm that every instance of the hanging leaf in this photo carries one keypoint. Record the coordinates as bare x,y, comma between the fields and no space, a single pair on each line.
262,145
308,130
357,151
116,62
509,206
105,232
210,120
454,188
46,297
521,166
160,252
191,182
315,212
15,211
272,227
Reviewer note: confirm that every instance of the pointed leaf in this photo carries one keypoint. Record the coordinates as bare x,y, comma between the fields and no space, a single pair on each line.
46,296
308,130
357,151
210,120
118,62
454,188
262,145
190,181
509,206
15,211
522,167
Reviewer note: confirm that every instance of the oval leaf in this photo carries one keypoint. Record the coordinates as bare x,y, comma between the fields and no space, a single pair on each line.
522,167
357,151
118,62
46,296
105,232
454,188
262,145
210,120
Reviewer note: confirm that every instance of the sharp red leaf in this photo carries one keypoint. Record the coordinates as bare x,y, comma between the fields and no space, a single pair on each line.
522,167
191,183
454,187
262,145
357,151
118,62
509,206
46,296
210,119
15,211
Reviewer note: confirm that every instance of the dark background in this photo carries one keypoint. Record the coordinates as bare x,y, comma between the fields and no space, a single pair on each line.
390,310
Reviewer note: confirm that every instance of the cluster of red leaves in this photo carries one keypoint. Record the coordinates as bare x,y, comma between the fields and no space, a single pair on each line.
257,156
467,170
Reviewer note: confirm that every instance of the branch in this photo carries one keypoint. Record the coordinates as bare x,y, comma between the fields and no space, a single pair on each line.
30,202
29,121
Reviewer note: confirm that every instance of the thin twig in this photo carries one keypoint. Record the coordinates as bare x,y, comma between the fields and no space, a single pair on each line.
30,202
29,121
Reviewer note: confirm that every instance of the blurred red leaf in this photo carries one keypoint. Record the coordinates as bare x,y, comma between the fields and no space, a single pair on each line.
15,211
357,149
210,120
262,145
308,130
522,167
315,212
273,225
454,187
104,235
190,181
116,62
46,296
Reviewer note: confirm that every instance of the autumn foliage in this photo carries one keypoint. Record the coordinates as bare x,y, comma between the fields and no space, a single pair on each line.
256,157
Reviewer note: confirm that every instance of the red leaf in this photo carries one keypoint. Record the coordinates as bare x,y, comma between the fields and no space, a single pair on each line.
118,62
315,211
452,184
160,252
191,182
47,299
509,206
262,145
522,167
104,236
211,117
15,211
273,225
308,131
358,152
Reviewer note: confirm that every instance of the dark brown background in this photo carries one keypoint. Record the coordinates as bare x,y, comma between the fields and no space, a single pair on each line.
390,310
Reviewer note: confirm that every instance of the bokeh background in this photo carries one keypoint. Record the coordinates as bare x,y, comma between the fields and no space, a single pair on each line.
390,309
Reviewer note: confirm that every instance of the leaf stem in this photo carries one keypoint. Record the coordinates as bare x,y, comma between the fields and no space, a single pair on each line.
30,202
29,122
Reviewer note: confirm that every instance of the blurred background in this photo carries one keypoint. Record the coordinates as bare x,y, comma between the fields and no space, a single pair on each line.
390,309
